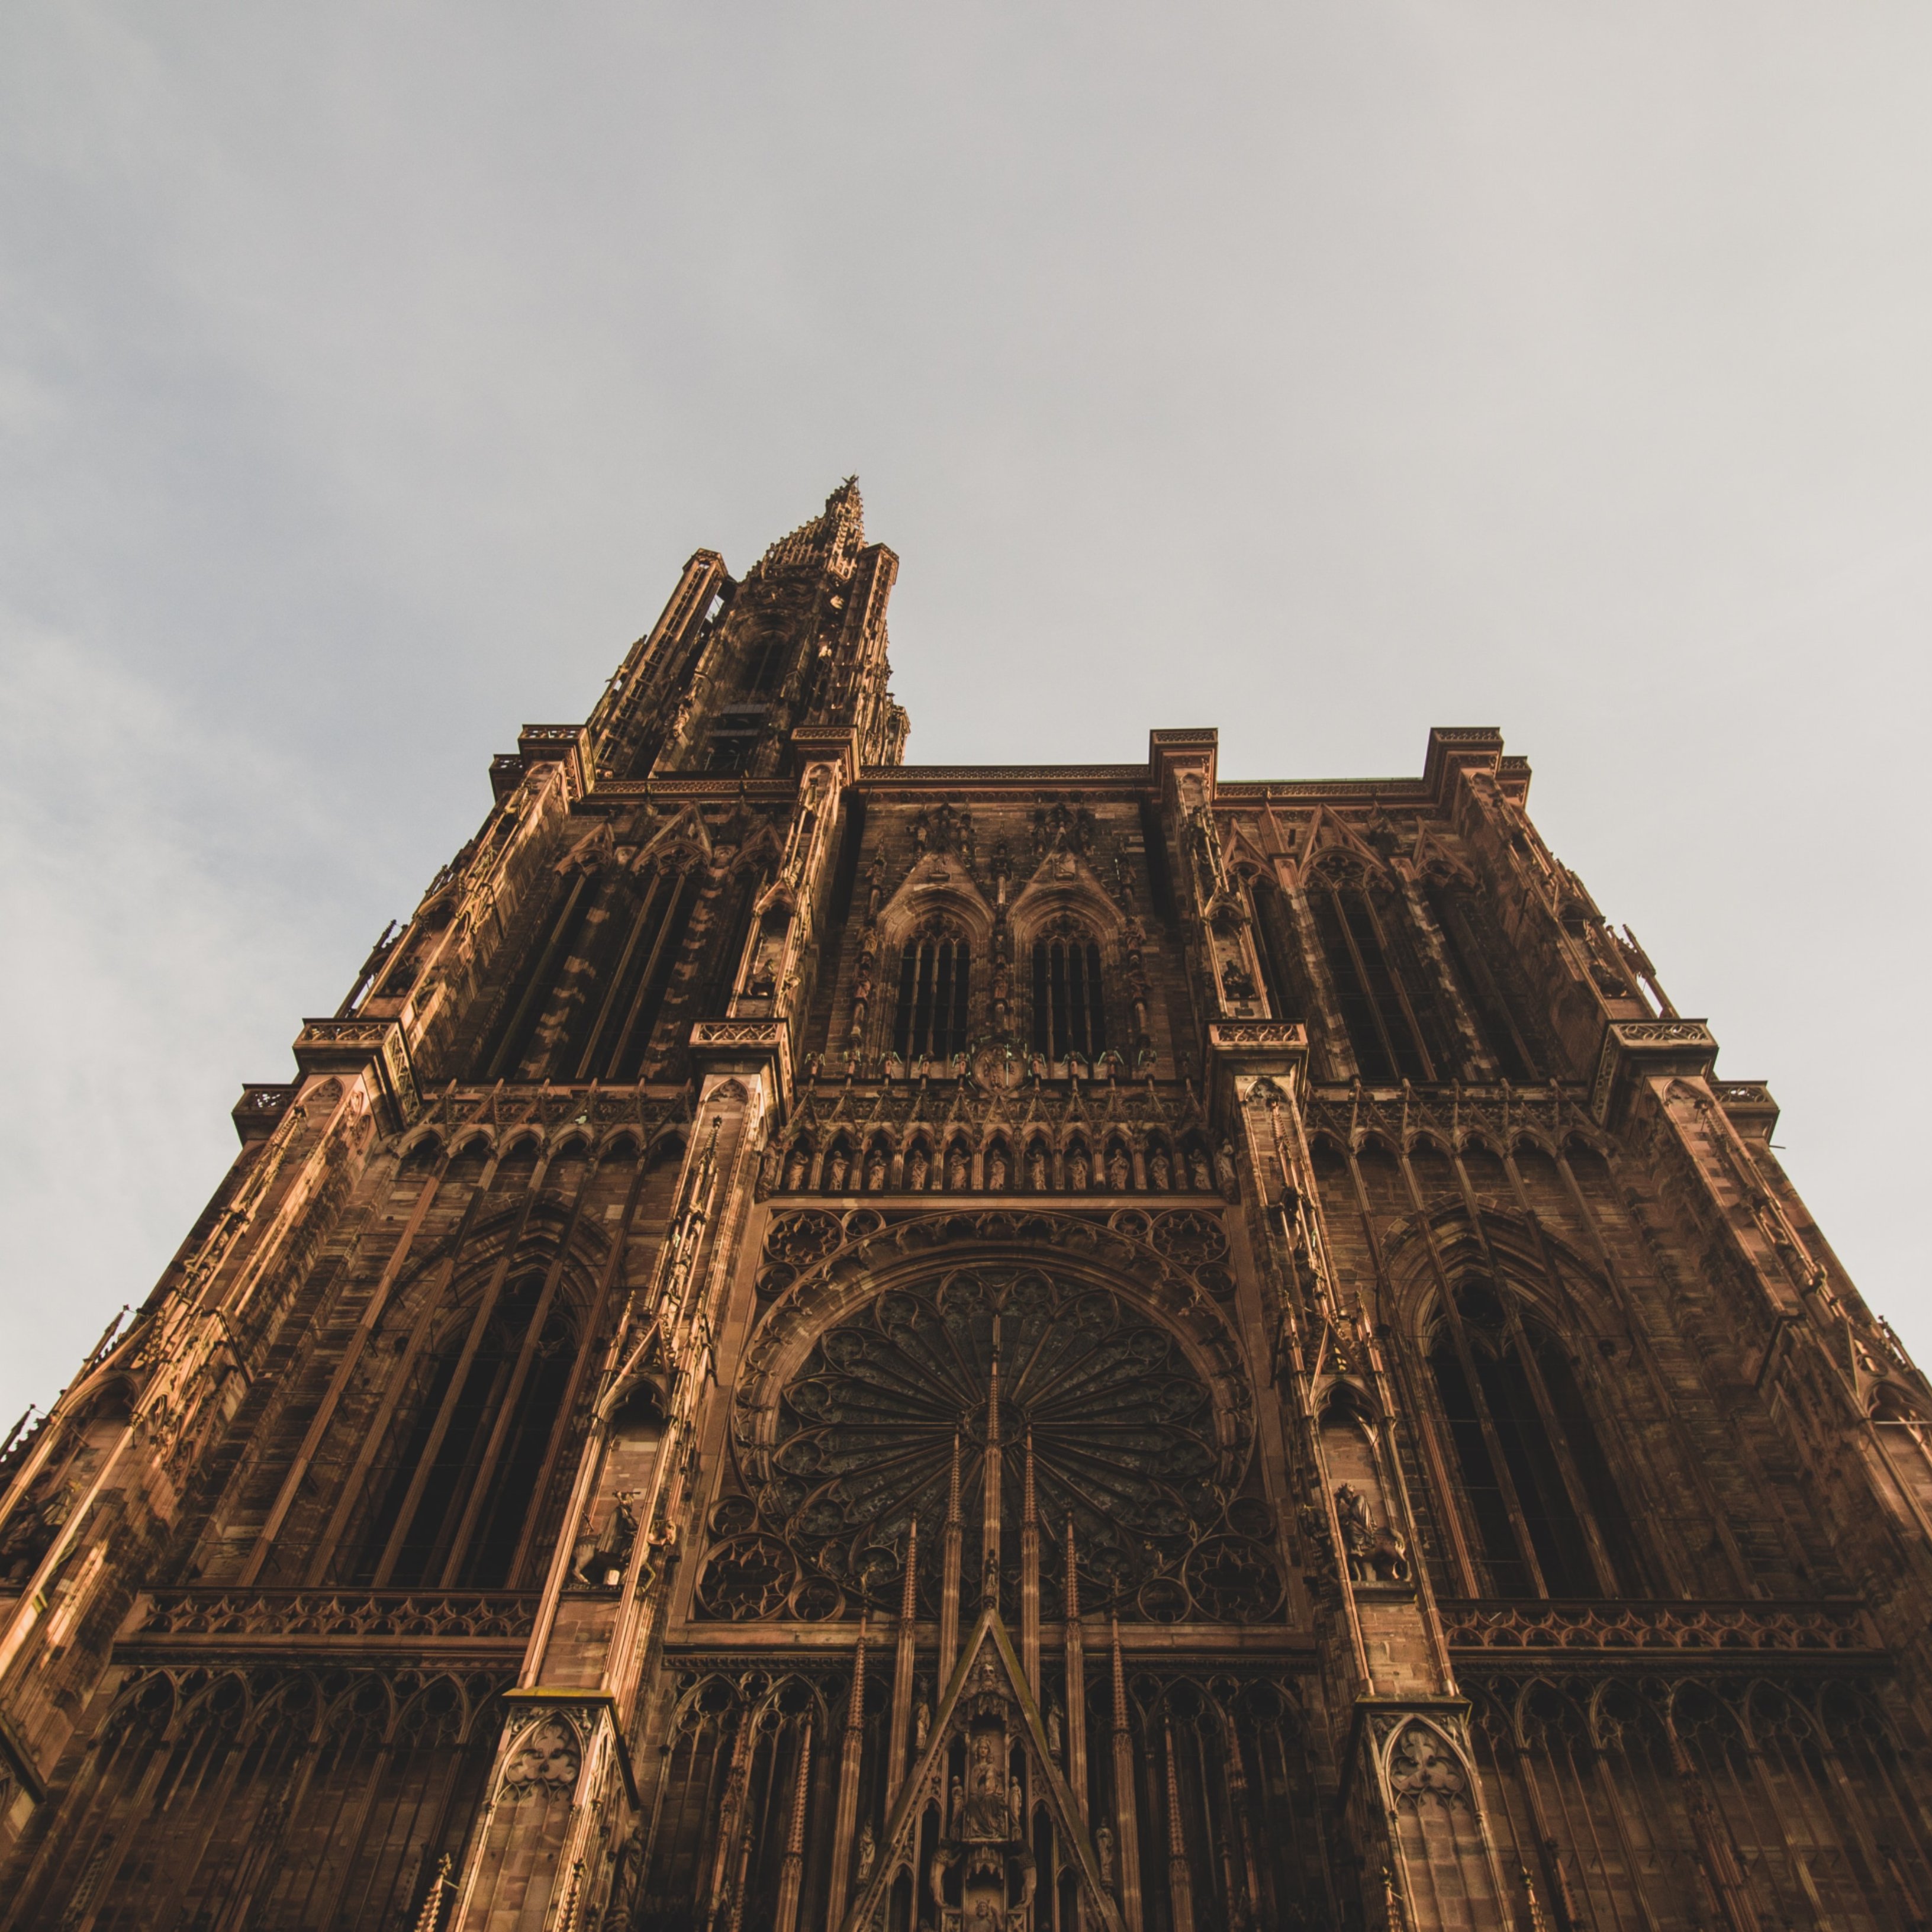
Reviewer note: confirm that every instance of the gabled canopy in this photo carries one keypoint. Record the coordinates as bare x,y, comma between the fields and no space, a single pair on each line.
987,1680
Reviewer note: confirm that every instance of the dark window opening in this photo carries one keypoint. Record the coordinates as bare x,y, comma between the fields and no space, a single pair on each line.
1160,877
458,1495
730,751
1069,1013
509,1039
931,1015
764,666
637,994
1280,967
1480,969
1528,1530
724,977
851,838
1376,1011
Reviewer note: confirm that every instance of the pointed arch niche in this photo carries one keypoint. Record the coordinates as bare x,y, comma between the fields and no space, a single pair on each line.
1067,950
1541,1512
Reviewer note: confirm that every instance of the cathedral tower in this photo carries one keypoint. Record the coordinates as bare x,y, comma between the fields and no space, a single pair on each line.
823,1344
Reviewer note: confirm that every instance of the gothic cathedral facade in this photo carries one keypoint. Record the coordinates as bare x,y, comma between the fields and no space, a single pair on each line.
825,1345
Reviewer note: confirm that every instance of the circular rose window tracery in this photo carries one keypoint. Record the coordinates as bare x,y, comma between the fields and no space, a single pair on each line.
1124,1442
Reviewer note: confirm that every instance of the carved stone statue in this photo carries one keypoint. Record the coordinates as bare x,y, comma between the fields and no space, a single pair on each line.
957,1806
1053,1731
795,1171
1198,1172
600,1562
868,1851
956,1170
922,1724
985,1801
1120,1175
1160,1173
917,1168
1103,1850
996,1172
875,1170
836,1169
1036,1169
1224,1171
1079,1171
1358,1533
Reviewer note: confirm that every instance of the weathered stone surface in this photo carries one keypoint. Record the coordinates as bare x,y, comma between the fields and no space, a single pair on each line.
825,1342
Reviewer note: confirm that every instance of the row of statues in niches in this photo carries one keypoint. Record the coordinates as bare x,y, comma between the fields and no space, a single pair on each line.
921,1170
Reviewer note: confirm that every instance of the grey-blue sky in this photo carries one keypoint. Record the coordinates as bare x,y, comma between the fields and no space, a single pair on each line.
1324,373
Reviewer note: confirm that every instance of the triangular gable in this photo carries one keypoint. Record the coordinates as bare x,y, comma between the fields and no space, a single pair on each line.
937,882
1327,832
1429,849
685,831
1063,878
987,1672
1238,849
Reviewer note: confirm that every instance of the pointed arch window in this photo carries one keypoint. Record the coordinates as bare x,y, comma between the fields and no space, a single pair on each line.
453,1510
1387,1009
1538,1494
588,1003
1485,970
930,1016
1069,1014
1281,965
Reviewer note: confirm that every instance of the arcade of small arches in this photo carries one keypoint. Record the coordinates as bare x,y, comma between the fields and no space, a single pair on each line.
1223,1760
1805,1778
300,1795
997,1157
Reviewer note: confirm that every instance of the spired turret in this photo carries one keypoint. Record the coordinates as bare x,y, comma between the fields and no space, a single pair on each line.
730,668
772,1214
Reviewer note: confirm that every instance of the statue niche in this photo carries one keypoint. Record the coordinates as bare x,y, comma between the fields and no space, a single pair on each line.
1372,1546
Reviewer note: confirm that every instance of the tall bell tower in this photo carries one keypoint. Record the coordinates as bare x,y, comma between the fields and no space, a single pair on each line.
823,1345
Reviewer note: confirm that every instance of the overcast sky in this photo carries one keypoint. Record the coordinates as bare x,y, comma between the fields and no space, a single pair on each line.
1320,372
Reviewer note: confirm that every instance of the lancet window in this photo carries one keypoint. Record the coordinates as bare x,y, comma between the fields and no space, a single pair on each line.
1281,965
1546,1518
763,665
454,1503
591,1000
1389,1013
1069,1013
930,1017
1482,966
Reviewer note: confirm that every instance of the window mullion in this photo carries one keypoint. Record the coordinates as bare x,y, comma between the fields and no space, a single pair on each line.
1365,982
1393,971
1492,1438
1559,1442
942,999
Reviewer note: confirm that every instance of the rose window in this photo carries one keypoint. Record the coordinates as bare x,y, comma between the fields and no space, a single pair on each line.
1124,1439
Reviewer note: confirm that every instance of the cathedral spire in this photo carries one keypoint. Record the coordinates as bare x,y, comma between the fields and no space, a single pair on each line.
830,540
